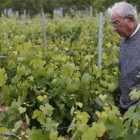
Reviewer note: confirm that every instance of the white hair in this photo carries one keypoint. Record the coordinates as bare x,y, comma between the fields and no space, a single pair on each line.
123,9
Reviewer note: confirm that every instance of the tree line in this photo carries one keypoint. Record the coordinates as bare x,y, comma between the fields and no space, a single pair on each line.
33,7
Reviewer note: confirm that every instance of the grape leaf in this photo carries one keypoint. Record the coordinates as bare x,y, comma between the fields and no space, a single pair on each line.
98,128
18,124
3,129
86,78
22,110
36,114
47,109
21,70
134,94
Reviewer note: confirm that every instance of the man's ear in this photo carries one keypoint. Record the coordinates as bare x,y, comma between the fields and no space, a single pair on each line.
130,19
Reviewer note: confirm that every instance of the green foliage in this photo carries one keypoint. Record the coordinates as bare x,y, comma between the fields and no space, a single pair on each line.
61,86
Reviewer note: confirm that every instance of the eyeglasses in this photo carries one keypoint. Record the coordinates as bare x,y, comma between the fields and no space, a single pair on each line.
116,25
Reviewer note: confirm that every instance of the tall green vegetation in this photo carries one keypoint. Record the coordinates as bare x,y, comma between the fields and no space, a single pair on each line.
58,90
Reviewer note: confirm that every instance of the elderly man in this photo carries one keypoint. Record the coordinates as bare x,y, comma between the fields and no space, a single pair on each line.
124,21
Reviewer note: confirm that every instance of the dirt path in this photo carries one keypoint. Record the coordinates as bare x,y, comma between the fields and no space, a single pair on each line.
3,108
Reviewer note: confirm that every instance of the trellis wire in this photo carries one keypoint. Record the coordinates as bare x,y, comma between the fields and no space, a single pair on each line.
59,128
59,36
65,52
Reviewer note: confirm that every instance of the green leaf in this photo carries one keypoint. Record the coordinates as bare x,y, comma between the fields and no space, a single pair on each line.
104,56
88,58
72,110
71,68
110,99
64,58
47,109
22,110
129,113
3,130
89,134
16,79
116,129
113,113
41,118
102,115
27,119
86,108
96,71
131,136
3,77
54,135
72,87
36,114
86,78
83,117
98,104
111,86
102,97
115,81
136,117
15,104
79,104
104,83
94,116
81,127
109,125
31,78
72,125
50,70
40,98
75,136
21,70
134,94
36,134
98,128
18,124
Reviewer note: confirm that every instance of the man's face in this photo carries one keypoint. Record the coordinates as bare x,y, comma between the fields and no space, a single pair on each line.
121,26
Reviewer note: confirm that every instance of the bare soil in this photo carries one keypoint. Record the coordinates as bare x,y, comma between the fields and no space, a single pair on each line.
3,108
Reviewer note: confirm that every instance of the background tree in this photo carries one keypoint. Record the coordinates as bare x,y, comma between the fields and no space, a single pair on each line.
49,6
135,3
18,5
33,7
4,5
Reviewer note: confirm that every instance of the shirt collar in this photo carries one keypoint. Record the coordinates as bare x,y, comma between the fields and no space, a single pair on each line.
135,31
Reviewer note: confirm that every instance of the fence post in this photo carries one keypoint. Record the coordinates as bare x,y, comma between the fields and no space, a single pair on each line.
61,11
11,13
44,28
87,11
25,18
91,17
100,41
